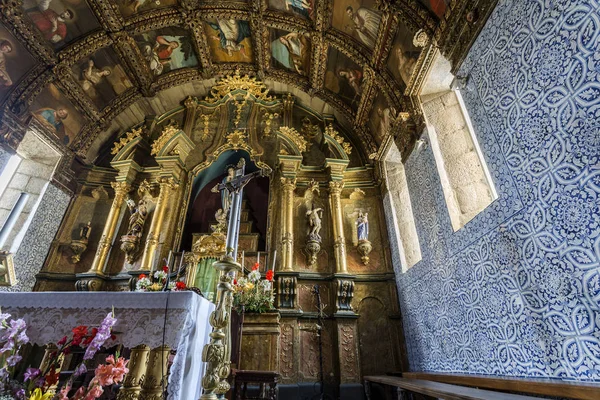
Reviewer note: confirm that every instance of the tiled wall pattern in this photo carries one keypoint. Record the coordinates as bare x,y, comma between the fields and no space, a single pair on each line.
516,291
37,240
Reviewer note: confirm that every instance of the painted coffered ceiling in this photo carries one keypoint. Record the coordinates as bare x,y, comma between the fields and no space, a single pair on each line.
71,68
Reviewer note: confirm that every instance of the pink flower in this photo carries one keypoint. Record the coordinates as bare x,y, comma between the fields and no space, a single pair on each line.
64,393
79,394
93,393
104,374
120,369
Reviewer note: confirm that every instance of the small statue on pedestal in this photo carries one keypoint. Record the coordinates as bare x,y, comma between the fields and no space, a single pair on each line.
313,240
130,241
364,247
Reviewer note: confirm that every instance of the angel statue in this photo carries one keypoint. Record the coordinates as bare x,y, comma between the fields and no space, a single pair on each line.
314,222
362,226
137,218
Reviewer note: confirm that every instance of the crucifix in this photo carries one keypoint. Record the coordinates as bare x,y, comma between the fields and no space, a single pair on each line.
235,188
217,353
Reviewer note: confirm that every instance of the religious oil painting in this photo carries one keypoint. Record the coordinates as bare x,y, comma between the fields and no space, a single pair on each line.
167,49
291,51
130,7
15,62
53,110
61,21
303,8
229,40
437,6
101,77
380,118
344,77
403,56
359,19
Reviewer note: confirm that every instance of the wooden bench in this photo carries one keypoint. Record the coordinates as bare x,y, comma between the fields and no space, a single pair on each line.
439,390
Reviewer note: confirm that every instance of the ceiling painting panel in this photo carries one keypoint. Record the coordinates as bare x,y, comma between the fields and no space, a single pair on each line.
344,77
403,56
291,51
15,61
303,8
101,77
380,118
130,7
61,21
229,40
357,18
437,6
53,110
167,49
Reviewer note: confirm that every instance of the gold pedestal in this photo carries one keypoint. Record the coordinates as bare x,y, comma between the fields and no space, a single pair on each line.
156,374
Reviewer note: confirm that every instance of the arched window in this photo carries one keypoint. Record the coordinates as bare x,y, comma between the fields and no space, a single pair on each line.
402,231
466,181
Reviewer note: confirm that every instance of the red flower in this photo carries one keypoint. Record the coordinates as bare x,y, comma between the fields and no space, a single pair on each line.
51,377
235,281
62,341
89,339
78,334
166,269
180,285
255,266
142,276
270,274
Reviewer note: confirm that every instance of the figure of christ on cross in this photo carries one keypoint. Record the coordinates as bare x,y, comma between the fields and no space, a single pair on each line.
217,353
235,188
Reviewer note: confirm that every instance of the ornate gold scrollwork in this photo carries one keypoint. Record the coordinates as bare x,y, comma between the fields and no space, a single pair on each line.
234,82
125,140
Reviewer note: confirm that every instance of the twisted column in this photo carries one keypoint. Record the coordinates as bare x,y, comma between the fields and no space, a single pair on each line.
287,236
335,203
132,384
110,227
166,186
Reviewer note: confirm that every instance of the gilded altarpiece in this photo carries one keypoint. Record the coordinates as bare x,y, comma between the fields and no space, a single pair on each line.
313,167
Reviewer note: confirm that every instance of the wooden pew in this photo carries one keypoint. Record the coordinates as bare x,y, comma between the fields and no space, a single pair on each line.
439,390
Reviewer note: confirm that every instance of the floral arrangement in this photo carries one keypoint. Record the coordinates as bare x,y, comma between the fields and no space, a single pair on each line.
156,282
254,294
39,384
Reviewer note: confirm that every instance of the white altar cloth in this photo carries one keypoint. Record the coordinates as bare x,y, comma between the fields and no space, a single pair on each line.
140,320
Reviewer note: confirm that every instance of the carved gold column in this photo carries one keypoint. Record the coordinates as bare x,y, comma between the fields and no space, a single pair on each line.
166,186
156,374
335,203
110,227
288,186
132,384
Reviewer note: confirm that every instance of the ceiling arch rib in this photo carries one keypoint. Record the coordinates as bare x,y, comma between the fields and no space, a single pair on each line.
349,84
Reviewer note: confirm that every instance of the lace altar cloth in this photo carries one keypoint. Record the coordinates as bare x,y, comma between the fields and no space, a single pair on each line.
140,320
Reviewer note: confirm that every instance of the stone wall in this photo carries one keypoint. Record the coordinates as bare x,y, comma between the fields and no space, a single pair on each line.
36,242
516,291
463,178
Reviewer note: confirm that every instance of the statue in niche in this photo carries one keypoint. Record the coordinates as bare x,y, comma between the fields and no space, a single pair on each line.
137,218
225,195
362,226
314,223
364,246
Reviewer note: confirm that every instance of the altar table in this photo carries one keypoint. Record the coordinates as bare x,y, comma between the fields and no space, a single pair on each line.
140,320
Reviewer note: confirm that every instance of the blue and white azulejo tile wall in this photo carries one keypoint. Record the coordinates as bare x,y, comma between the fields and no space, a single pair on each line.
517,290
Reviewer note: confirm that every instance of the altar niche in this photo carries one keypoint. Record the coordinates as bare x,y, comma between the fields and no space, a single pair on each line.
206,222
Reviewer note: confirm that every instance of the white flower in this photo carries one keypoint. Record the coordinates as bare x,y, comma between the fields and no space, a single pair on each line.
254,276
160,275
142,284
242,281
